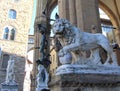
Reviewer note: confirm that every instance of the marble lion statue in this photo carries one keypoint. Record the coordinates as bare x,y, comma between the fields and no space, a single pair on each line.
73,39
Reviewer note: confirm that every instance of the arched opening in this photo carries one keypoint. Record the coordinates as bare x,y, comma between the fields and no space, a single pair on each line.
12,34
53,57
5,61
107,26
113,20
12,14
109,12
9,33
52,16
6,32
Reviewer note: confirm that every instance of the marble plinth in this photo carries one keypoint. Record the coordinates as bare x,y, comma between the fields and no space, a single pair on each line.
86,78
86,69
9,87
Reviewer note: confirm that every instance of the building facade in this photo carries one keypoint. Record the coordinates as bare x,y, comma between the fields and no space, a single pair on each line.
15,21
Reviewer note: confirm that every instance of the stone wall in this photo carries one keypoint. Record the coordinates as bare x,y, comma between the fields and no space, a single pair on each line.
17,47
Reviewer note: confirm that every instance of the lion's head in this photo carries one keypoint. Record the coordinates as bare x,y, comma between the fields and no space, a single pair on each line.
63,30
60,26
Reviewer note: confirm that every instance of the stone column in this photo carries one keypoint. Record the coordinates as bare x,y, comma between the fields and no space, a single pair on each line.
36,56
87,15
64,8
72,12
83,13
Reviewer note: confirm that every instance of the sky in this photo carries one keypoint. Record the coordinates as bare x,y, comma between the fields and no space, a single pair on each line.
31,32
103,14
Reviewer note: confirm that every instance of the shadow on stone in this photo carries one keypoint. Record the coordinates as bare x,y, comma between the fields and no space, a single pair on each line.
45,90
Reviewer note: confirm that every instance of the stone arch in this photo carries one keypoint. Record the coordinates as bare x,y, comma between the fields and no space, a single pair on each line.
53,4
32,48
30,54
109,12
113,19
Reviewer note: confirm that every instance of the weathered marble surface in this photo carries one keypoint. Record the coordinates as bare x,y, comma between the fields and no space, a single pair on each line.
42,78
10,73
10,84
87,69
73,41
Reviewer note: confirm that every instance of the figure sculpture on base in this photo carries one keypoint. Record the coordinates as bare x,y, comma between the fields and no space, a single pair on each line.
10,75
42,78
73,41
10,84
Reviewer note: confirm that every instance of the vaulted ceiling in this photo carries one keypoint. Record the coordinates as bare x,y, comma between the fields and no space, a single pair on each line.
112,9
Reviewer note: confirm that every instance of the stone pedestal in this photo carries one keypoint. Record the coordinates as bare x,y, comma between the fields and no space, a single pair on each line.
5,87
94,79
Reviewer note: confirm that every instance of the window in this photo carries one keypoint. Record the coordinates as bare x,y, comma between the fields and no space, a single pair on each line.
12,14
30,40
6,32
12,34
9,33
5,60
